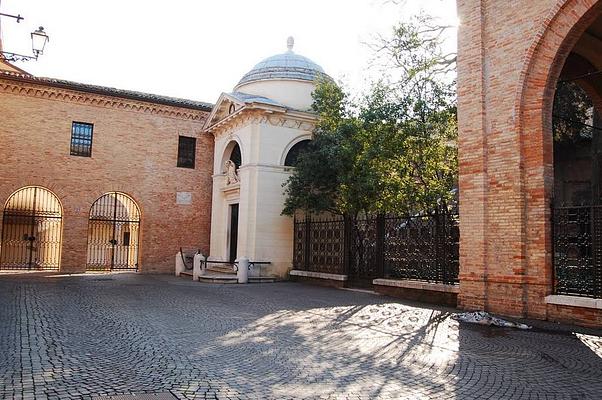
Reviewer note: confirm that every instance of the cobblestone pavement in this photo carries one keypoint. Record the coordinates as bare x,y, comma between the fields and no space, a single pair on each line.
101,335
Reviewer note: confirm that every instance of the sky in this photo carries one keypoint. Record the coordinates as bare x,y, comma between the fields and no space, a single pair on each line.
198,49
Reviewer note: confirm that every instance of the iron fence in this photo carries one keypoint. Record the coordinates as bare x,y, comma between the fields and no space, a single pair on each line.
577,237
319,245
424,248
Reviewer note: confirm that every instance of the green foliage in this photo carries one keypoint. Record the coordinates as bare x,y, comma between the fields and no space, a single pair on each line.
392,151
414,52
573,113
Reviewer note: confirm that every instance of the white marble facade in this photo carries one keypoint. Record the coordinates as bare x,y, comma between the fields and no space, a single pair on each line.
267,114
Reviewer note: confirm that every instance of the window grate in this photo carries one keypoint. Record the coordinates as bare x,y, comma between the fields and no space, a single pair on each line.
186,151
81,139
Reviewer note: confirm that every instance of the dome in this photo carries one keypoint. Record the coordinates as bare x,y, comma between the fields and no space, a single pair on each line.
285,66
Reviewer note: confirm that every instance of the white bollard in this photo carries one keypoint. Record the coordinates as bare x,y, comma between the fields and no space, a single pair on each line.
179,264
243,270
198,268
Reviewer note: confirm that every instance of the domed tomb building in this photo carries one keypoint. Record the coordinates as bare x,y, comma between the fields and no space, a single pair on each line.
259,128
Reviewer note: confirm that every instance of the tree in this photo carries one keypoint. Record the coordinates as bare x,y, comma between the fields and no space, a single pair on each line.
330,175
573,113
415,53
393,151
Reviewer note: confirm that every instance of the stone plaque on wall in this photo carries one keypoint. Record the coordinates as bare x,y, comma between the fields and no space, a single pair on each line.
183,198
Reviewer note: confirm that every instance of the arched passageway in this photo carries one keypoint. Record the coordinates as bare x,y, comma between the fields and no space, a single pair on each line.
577,150
113,233
31,230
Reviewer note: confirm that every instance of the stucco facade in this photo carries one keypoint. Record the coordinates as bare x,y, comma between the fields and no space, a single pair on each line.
264,234
265,116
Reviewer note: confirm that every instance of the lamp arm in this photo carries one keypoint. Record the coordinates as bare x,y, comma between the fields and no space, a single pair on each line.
12,57
18,17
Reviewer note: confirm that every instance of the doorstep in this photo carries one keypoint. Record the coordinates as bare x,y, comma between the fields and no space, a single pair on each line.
318,278
574,301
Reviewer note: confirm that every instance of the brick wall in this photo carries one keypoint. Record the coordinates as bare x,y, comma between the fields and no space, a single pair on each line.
134,151
509,57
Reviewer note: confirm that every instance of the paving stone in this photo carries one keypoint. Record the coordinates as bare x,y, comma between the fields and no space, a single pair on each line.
139,335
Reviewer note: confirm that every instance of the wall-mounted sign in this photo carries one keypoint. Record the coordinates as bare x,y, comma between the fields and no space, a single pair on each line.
183,198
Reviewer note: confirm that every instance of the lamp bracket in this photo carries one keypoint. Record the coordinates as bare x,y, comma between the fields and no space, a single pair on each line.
12,57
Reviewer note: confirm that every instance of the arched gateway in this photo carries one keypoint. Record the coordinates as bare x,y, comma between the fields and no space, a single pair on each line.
517,169
113,233
32,223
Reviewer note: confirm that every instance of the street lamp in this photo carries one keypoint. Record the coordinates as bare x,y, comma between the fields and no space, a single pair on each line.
39,38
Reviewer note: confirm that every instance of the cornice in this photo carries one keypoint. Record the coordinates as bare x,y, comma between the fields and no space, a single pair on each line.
49,92
287,120
248,115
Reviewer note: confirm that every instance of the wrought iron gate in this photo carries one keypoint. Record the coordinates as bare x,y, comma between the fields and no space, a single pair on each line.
363,254
424,248
113,231
31,230
577,233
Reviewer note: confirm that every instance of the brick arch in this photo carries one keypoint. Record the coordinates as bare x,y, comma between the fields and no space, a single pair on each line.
544,59
542,66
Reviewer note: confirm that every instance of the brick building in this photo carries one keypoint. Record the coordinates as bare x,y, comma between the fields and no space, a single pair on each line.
99,178
523,252
530,214
96,178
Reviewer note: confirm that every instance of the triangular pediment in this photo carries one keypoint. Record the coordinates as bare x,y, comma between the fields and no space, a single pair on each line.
225,106
230,104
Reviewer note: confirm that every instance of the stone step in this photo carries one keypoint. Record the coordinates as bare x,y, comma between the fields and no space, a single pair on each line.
221,268
218,278
232,278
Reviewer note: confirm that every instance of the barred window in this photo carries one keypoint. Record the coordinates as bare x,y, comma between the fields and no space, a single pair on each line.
186,151
81,139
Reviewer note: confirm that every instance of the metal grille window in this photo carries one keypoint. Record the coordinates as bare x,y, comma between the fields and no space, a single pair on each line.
186,151
81,139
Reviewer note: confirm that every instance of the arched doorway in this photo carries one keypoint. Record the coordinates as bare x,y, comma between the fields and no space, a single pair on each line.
233,153
113,233
31,230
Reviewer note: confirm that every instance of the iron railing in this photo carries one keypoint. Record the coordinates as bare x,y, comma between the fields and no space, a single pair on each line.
577,237
424,248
